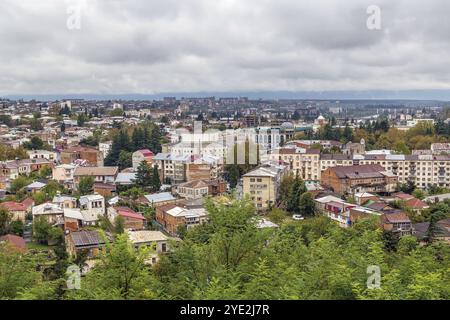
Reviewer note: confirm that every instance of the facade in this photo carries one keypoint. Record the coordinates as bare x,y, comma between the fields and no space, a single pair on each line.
17,209
42,154
87,242
154,239
195,189
397,223
132,219
100,174
92,207
142,155
63,174
52,212
361,178
262,185
300,161
172,217
93,156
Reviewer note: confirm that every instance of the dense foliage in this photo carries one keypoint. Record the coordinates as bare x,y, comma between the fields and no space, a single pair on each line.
229,258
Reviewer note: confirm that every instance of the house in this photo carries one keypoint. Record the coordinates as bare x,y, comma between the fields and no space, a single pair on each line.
52,212
105,189
216,187
262,185
397,223
160,199
345,214
416,205
362,198
172,217
63,174
92,206
132,219
16,242
35,186
359,178
73,219
142,155
437,198
401,196
154,239
42,154
93,156
193,190
442,232
125,178
100,174
17,209
85,242
65,201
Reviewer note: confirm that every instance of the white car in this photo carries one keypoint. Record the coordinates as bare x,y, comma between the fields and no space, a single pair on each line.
298,217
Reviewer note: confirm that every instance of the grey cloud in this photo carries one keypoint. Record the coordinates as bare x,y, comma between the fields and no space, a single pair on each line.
139,46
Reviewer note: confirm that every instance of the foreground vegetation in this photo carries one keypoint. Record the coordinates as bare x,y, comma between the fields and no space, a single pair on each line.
229,258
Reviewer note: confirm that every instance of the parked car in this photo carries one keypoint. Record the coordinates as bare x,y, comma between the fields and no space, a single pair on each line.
298,217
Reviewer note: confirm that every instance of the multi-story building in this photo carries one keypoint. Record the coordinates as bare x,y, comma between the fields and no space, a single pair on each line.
360,178
42,154
423,170
176,169
302,162
172,217
93,156
262,185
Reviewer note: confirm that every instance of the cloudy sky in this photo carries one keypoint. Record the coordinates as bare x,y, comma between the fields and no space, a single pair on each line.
154,46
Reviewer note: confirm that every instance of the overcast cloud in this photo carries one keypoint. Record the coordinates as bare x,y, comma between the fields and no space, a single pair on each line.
150,46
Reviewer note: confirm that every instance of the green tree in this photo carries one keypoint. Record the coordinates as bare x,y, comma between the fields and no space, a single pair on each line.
85,185
120,273
156,181
307,205
41,229
19,183
143,175
5,221
125,160
119,225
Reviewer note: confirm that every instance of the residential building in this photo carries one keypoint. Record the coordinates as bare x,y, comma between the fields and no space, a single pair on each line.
92,207
300,161
142,155
195,189
88,243
42,154
52,212
132,220
100,174
361,178
93,156
262,185
156,240
397,223
17,209
172,218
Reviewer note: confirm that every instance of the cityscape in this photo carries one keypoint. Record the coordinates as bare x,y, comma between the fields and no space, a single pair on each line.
231,183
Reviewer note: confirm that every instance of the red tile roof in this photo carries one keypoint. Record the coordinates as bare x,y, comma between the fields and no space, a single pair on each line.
416,203
16,241
128,213
147,153
28,202
13,206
